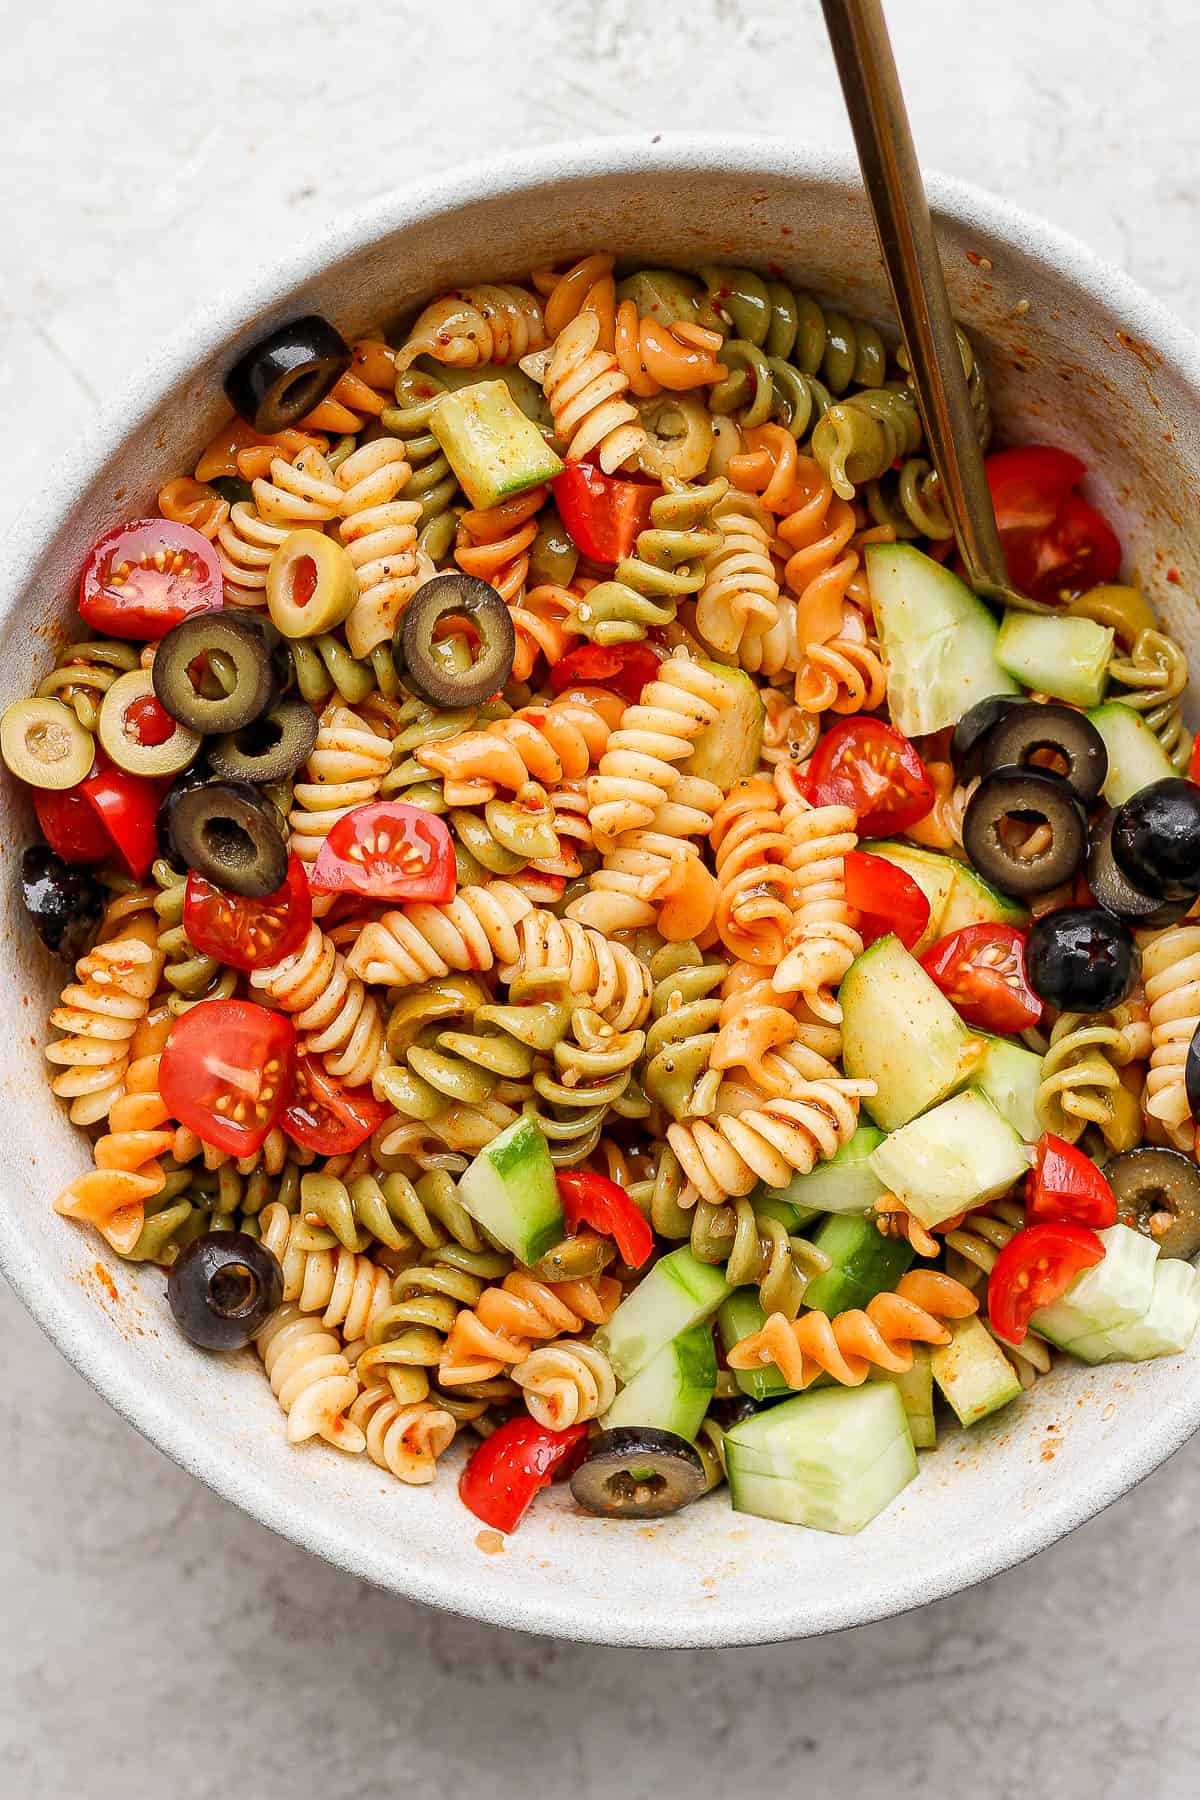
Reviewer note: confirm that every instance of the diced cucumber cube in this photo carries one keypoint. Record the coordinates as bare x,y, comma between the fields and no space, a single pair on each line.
1064,656
489,443
974,901
915,1387
862,1263
511,1191
831,1459
1135,756
728,748
1166,1328
1010,1077
957,1156
1114,1292
673,1392
740,1317
845,1184
680,1291
900,1031
972,1371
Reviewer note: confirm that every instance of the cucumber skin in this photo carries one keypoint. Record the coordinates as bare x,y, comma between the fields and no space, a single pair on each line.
516,1164
738,1317
916,1393
864,1264
727,750
675,1389
490,444
1135,756
687,1290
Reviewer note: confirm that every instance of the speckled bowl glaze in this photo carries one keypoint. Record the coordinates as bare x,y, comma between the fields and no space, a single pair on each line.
1077,355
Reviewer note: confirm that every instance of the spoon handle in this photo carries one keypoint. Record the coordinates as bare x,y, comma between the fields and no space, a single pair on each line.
892,177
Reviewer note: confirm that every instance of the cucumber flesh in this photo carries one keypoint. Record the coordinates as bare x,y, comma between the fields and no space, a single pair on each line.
862,1264
1135,756
957,1156
728,749
831,1459
1066,657
900,1031
1166,1328
933,874
938,639
1011,1077
489,443
915,1387
793,1218
680,1291
972,1372
740,1317
675,1389
1112,1293
845,1184
974,901
510,1190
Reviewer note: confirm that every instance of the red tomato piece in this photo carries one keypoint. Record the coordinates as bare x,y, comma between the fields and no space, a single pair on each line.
1066,1184
387,850
1194,762
127,806
603,514
141,579
226,1071
885,898
1035,1267
622,668
594,1200
1055,542
246,933
71,825
981,971
325,1116
512,1465
149,721
873,768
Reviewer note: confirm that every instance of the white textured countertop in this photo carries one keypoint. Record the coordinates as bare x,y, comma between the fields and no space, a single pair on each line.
155,1641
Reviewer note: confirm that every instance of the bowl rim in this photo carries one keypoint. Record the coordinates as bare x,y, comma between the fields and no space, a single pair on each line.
545,1609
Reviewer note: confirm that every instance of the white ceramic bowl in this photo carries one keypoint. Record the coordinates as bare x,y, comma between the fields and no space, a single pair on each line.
1076,355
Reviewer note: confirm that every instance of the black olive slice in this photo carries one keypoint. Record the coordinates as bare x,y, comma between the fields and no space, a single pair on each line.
634,1472
456,596
1118,895
1024,831
271,748
230,834
214,672
284,376
1081,959
223,1288
967,744
1158,1193
1156,838
65,902
1059,730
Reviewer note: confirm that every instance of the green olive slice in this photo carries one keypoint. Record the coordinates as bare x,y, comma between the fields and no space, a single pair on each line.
271,748
312,585
43,742
231,835
122,732
214,672
456,597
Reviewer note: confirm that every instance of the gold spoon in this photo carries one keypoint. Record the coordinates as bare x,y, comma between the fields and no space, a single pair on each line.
892,178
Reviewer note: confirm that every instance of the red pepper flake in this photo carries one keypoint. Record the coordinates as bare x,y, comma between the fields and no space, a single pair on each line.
1174,577
106,1281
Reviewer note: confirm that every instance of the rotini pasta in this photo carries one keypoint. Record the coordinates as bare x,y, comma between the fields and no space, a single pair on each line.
850,1345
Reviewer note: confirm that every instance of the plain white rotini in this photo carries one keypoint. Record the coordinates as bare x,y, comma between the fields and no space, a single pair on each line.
310,1378
345,770
406,1440
348,1290
823,941
335,1015
1171,972
613,980
588,394
638,766
475,930
740,595
379,531
303,492
496,322
566,1383
98,1014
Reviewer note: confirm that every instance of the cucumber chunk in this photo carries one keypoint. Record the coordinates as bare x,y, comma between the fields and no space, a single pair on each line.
972,1372
933,874
1066,657
1115,1292
680,1291
674,1390
740,1317
1135,756
1010,1076
489,443
957,1156
510,1190
728,748
938,639
770,1203
900,1031
845,1184
862,1264
1166,1328
831,1459
915,1387
974,901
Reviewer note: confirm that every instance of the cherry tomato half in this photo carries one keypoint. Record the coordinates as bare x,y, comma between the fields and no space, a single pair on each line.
871,767
594,1200
602,514
226,1071
325,1116
141,579
886,898
1035,1267
516,1462
623,669
127,806
1066,1184
387,850
71,825
1055,543
245,933
981,971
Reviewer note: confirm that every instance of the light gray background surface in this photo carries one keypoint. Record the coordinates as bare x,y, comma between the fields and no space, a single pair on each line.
154,1641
